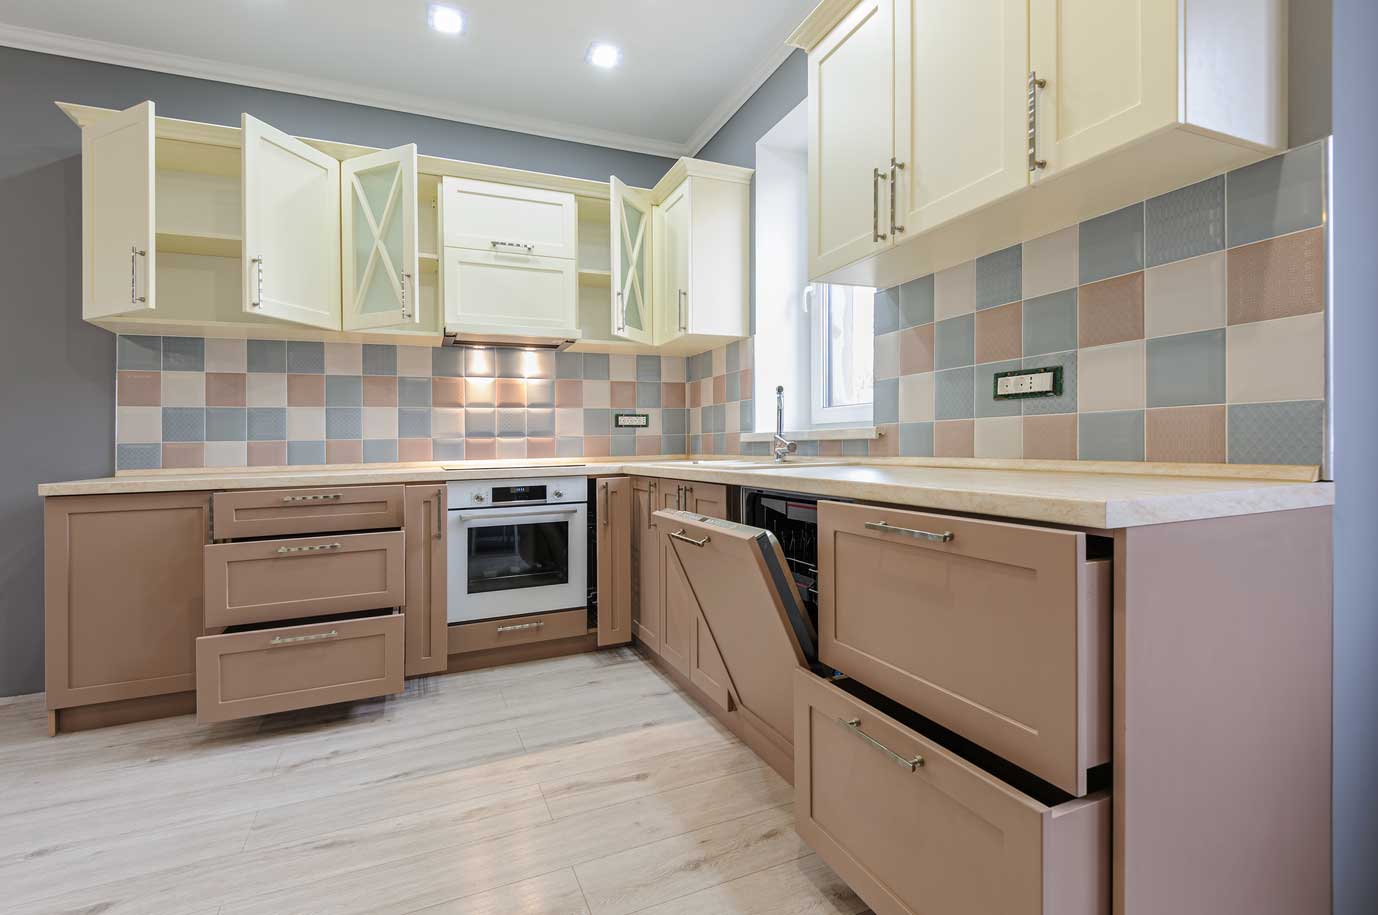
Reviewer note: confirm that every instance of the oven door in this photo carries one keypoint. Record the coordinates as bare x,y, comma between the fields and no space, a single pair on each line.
509,561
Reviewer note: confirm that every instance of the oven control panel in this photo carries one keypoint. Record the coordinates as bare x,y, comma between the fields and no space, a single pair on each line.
532,491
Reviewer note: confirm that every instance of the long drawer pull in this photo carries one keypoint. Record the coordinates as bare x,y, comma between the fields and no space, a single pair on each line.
318,497
854,725
518,627
680,535
314,637
318,548
943,537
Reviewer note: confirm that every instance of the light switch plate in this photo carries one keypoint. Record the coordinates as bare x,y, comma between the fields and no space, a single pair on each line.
1020,383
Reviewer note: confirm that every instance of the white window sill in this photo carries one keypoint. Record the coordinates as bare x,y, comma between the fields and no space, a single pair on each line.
816,435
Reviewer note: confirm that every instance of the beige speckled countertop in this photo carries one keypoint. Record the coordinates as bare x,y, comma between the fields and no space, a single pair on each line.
1083,495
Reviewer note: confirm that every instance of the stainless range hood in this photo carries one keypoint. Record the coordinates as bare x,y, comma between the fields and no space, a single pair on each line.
516,341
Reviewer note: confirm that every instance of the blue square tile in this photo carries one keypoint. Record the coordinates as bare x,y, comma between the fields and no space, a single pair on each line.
447,449
569,365
807,448
1187,222
305,357
447,362
1115,436
1276,196
916,302
480,422
597,421
1000,277
413,422
184,424
747,412
305,453
647,394
954,393
227,424
1066,402
1112,244
138,457
1186,369
695,444
267,356
267,424
719,443
136,353
732,387
184,354
569,446
1050,323
986,404
511,422
344,391
955,342
344,422
511,363
916,439
1276,433
596,366
380,359
885,401
380,450
648,368
674,444
675,422
413,392
623,445
886,314
856,447
733,357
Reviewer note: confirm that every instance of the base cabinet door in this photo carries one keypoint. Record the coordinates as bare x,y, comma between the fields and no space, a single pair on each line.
916,830
425,605
677,599
646,612
614,507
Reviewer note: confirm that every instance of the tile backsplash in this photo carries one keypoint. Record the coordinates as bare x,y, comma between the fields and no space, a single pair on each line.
193,402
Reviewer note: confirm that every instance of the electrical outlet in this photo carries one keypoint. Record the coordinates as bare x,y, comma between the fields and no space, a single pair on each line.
631,420
1046,382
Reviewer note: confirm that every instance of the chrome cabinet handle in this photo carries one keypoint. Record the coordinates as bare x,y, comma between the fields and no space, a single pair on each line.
439,514
621,314
854,725
315,497
680,535
651,504
315,637
603,512
515,627
258,266
680,302
318,548
877,176
883,527
1035,84
895,166
513,244
134,254
406,314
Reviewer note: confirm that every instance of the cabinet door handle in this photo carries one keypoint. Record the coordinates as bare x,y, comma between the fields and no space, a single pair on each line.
406,314
603,512
258,275
877,176
1035,84
439,515
315,497
621,314
651,504
135,252
885,528
680,535
904,762
314,637
895,166
513,244
680,302
318,548
517,627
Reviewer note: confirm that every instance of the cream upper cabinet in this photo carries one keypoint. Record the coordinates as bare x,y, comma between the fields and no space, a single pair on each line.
960,139
119,269
378,239
487,216
630,211
673,236
851,126
291,228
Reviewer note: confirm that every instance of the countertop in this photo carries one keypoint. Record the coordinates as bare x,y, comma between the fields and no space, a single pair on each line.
1078,494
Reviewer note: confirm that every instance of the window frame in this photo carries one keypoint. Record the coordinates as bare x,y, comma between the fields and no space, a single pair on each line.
821,413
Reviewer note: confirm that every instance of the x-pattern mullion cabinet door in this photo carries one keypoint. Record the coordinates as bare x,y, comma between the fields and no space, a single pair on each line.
378,239
631,267
291,219
117,201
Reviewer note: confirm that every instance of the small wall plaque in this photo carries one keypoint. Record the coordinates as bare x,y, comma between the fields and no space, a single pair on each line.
631,420
1045,382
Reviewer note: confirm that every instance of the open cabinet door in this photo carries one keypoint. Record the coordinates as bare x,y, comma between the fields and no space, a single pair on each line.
631,251
117,188
736,578
378,238
291,228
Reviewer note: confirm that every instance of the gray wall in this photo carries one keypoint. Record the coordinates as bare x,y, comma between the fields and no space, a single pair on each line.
1308,70
1354,222
57,374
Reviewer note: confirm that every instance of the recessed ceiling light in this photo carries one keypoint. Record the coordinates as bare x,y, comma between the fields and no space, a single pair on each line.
602,55
446,19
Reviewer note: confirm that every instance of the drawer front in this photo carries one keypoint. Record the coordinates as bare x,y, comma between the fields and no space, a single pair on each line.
265,580
508,293
487,216
275,670
518,630
1001,632
278,512
943,836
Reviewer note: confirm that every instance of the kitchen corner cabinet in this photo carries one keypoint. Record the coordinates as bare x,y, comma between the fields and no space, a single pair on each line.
424,607
975,124
614,543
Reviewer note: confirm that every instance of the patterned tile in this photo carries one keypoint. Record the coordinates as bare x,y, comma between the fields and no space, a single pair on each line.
1279,433
1000,333
184,354
138,457
916,439
344,391
1187,435
379,359
305,358
1186,369
1111,436
1066,402
954,439
267,424
184,424
569,365
299,453
954,343
1277,278
227,424
886,313
885,402
1050,438
916,302
380,451
955,393
1050,323
1111,245
344,422
986,404
267,356
1276,196
999,277
511,422
139,354
1111,311
415,392
414,422
1186,222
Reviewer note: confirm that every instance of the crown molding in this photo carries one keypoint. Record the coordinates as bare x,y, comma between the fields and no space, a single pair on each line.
278,81
820,22
733,102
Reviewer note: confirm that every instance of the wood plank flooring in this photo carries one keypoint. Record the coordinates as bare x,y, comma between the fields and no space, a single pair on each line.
586,784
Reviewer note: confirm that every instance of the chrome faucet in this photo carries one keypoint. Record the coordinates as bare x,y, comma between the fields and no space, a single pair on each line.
783,446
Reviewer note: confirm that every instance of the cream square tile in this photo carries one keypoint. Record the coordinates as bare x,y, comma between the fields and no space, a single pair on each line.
226,454
720,360
380,422
1277,360
598,394
672,368
695,422
1185,296
414,361
1050,263
226,356
184,389
511,448
306,424
135,425
916,398
653,422
732,417
344,359
1111,377
887,356
266,390
622,367
447,422
1000,437
954,291
569,421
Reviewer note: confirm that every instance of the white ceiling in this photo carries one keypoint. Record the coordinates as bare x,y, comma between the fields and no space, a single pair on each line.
687,64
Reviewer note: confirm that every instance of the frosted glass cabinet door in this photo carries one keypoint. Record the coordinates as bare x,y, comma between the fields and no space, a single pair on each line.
117,187
378,233
291,228
631,245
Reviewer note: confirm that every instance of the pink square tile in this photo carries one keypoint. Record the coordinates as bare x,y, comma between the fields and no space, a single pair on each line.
695,395
1278,278
1186,435
480,449
569,393
140,389
1050,438
647,445
748,378
344,451
597,445
302,390
672,394
916,350
732,443
1111,311
888,445
510,448
830,448
478,392
380,391
226,389
184,454
511,392
537,447
719,389
954,438
267,454
447,392
623,394
999,333
413,449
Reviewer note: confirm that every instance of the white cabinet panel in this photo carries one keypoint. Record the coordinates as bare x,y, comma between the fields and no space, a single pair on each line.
631,259
291,228
486,216
378,239
117,201
509,294
674,230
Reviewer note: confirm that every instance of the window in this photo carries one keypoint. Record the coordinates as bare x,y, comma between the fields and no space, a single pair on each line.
843,353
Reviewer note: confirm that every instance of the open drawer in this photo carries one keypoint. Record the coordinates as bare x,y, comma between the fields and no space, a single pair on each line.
258,671
998,631
278,512
915,829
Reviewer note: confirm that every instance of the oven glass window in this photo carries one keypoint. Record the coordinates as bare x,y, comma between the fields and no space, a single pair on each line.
514,556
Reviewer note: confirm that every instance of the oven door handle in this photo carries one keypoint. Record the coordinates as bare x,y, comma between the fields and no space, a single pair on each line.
499,514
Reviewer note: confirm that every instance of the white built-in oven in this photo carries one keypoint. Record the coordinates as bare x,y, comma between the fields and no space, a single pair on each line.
517,546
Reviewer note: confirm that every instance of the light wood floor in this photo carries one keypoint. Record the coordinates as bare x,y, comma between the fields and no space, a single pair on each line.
585,784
